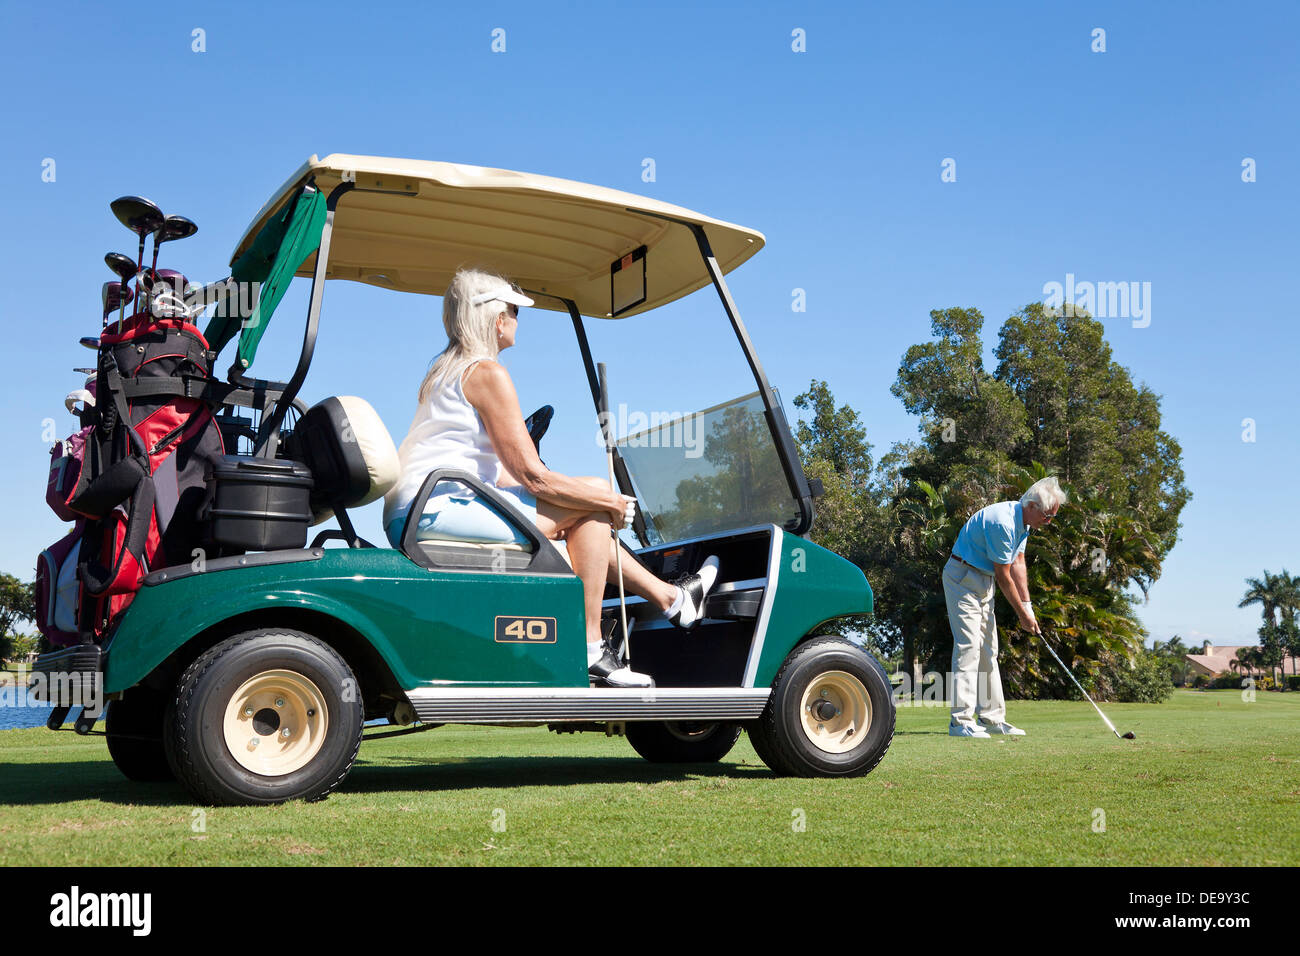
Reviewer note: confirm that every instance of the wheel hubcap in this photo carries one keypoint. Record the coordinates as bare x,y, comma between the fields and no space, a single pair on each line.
691,732
836,712
275,723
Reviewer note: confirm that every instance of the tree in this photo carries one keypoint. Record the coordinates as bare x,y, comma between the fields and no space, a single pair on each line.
850,518
17,602
970,418
1088,422
1265,592
1288,603
1175,652
1273,593
1247,659
1056,404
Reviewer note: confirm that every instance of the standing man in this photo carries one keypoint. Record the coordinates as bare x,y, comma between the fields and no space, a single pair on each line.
989,549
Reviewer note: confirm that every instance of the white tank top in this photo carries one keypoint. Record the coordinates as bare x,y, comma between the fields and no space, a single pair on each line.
446,433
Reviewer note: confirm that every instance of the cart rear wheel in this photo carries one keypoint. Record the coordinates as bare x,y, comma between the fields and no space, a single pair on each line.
134,728
682,741
264,717
831,713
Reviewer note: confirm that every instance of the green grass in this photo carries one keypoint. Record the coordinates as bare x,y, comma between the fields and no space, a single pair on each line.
1210,780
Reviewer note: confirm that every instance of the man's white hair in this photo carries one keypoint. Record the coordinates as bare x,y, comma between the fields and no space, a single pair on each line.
1046,493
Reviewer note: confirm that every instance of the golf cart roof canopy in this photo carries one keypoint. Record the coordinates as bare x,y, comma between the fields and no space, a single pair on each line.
410,224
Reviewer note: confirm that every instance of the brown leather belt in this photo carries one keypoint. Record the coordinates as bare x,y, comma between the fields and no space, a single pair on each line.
969,565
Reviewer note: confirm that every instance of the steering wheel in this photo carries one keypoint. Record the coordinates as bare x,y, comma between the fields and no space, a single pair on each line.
537,423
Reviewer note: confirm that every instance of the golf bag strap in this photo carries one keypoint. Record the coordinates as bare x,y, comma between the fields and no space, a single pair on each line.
180,386
98,577
117,389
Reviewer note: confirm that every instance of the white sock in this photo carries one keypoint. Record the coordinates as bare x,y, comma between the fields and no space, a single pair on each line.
595,650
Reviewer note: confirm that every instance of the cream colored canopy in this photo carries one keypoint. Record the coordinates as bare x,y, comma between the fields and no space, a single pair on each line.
551,236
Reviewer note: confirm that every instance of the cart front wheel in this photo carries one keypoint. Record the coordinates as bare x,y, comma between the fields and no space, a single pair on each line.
831,713
264,717
682,741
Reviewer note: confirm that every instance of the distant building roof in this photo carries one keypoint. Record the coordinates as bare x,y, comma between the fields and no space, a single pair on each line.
1220,658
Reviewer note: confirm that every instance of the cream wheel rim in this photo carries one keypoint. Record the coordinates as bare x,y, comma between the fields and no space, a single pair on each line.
275,723
836,712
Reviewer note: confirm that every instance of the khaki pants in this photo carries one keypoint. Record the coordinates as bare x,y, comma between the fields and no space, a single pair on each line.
976,683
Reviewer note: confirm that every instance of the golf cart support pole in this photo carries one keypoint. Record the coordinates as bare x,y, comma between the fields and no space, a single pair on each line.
624,480
776,423
269,432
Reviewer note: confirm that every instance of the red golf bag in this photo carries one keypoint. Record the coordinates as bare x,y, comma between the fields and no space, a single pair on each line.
140,478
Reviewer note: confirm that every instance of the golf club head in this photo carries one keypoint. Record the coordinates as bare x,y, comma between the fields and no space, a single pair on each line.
1128,736
113,296
138,214
175,227
123,266
91,342
153,280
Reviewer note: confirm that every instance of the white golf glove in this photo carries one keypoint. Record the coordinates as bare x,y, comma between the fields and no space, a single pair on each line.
1028,608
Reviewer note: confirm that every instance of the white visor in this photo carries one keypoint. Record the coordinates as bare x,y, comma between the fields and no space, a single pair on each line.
501,294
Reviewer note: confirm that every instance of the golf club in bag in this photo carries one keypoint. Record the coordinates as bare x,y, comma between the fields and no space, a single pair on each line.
1070,674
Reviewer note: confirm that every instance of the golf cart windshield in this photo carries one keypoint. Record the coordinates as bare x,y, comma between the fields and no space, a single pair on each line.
712,471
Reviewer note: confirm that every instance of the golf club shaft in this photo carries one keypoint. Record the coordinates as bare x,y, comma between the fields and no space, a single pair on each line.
1070,674
618,564
139,261
613,529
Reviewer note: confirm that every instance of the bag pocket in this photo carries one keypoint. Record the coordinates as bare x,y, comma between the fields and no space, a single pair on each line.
58,591
66,458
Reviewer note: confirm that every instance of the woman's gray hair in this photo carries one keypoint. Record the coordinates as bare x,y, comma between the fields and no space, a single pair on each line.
1046,493
471,329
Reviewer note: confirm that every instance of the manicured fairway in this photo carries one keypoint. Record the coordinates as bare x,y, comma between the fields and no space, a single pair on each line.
1209,780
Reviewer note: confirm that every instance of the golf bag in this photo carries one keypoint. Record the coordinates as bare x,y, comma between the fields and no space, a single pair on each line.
135,476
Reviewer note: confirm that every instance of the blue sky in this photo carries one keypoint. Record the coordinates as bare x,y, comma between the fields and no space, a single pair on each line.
1115,166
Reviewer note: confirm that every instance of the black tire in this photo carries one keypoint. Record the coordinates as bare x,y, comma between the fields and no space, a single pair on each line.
682,741
286,678
852,678
134,728
758,740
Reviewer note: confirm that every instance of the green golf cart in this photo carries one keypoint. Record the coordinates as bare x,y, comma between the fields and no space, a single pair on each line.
250,673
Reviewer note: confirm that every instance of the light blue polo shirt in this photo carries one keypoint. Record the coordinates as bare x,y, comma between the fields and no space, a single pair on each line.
993,535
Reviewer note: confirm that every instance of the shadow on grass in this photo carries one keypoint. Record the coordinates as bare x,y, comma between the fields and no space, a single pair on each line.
514,772
48,783
32,784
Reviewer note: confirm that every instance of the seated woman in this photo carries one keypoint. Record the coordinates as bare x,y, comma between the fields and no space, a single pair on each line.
468,417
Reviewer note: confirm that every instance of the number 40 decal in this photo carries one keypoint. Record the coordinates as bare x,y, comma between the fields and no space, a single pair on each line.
525,630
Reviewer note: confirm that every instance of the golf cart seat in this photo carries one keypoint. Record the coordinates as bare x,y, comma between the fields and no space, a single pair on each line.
352,458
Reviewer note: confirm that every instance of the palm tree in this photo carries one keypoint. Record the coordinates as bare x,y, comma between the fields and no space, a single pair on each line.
1270,593
1176,652
1245,659
1266,593
1288,598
